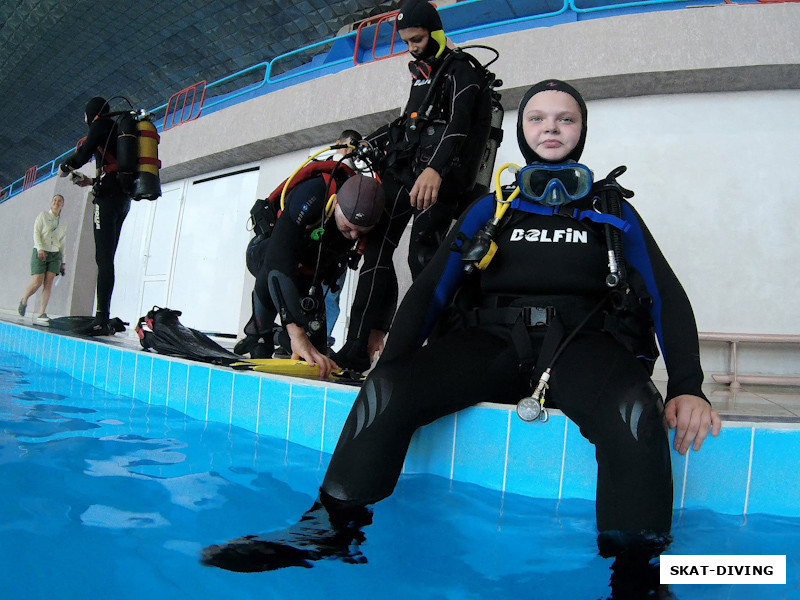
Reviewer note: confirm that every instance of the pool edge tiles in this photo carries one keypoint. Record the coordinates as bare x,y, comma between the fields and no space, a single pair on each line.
486,444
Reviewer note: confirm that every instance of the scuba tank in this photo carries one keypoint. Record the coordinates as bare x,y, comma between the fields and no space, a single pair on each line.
486,168
127,151
148,182
137,155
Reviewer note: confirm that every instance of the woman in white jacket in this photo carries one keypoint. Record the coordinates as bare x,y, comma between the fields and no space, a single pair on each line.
47,260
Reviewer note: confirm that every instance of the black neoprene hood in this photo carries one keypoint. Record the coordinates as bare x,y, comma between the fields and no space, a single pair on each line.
96,106
418,13
557,86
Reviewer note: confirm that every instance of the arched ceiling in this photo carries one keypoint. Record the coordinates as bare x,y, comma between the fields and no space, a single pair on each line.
55,55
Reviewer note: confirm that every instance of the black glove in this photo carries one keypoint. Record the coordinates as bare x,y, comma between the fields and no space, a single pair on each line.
353,356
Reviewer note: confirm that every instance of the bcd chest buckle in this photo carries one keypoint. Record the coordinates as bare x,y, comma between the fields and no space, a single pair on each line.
537,316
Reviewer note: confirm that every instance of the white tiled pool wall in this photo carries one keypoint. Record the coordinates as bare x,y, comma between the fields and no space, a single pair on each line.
749,468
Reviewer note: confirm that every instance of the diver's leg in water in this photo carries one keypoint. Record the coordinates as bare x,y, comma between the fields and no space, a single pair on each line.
448,375
602,388
329,529
620,411
402,395
634,578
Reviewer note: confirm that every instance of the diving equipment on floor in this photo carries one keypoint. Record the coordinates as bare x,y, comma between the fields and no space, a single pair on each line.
296,368
79,324
160,330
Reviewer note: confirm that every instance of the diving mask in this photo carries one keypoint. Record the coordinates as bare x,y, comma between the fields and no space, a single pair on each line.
554,185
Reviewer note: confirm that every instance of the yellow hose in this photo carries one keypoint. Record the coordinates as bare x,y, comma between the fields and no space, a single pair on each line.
503,203
297,170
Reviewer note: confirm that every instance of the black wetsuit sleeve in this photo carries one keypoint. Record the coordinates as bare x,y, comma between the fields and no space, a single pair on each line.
671,310
465,87
99,134
433,291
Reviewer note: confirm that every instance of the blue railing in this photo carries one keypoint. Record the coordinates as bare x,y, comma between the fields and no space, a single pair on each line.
461,22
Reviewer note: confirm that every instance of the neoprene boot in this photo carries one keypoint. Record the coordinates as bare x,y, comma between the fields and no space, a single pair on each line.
353,355
635,572
98,326
328,530
638,544
244,346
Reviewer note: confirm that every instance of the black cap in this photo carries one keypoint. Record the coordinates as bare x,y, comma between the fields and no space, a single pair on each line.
419,13
361,200
557,86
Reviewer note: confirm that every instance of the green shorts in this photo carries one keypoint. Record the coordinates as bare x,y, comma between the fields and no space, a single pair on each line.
51,263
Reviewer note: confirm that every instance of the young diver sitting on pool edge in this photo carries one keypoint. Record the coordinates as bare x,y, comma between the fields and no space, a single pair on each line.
532,312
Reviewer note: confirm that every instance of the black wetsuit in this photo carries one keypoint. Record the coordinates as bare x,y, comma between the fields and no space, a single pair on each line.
303,261
597,381
111,204
443,143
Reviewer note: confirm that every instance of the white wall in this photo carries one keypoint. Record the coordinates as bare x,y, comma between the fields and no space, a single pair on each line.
718,191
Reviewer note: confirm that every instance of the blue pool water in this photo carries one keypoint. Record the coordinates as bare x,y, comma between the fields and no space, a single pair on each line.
102,496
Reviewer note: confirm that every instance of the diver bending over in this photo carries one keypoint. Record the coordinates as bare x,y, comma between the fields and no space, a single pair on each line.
494,322
313,240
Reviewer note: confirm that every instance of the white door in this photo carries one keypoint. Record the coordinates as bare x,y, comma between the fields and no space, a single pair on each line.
129,262
160,247
209,267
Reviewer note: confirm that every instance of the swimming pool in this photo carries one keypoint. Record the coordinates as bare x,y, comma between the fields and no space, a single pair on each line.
105,496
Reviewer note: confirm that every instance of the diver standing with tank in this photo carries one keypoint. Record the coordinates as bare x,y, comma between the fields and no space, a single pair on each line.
536,298
111,202
431,158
